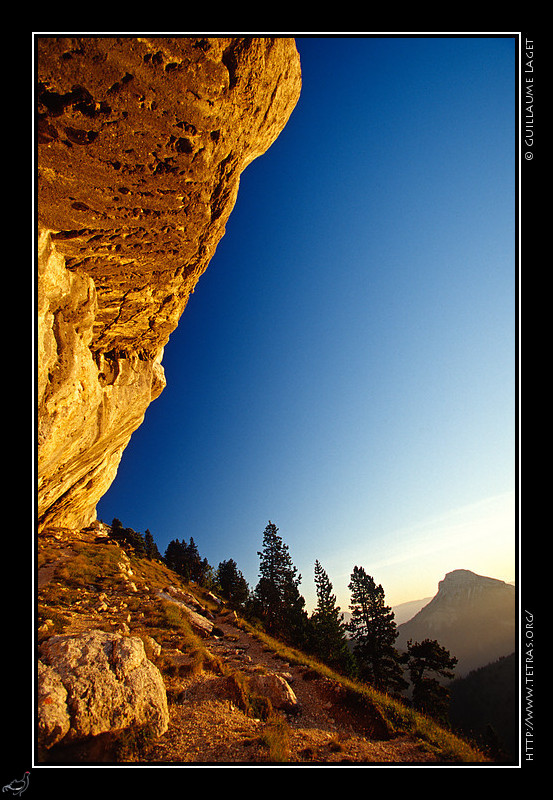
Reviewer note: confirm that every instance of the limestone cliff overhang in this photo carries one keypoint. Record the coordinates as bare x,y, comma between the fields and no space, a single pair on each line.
141,142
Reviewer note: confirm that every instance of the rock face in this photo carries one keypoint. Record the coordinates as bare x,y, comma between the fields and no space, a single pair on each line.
141,143
473,616
94,683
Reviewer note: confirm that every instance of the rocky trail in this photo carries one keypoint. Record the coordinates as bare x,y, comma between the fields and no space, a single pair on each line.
315,719
207,726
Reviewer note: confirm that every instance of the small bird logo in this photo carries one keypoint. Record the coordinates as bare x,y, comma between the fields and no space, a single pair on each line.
17,787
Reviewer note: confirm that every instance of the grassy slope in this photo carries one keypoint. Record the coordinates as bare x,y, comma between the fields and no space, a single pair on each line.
94,568
399,717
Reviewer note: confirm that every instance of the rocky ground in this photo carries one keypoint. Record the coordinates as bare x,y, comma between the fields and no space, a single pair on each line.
207,726
208,722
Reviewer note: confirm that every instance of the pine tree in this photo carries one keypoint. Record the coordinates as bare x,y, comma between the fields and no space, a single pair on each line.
116,531
185,560
204,573
327,629
175,557
374,632
128,538
152,552
429,695
193,562
277,595
232,584
136,541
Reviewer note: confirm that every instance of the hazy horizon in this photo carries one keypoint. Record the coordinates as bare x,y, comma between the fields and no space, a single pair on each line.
346,366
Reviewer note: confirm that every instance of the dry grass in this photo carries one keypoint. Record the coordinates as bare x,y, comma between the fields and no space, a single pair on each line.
94,568
398,717
90,566
250,703
276,739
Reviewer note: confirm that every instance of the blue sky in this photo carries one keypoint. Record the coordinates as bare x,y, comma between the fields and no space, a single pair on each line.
346,366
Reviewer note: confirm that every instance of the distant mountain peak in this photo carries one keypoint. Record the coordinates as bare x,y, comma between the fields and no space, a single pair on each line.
460,574
465,576
469,585
472,615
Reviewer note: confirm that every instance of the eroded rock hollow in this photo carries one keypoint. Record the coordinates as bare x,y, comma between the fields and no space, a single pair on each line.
141,143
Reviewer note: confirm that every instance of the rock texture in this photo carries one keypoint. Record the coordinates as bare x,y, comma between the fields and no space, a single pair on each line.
277,690
200,623
141,143
95,683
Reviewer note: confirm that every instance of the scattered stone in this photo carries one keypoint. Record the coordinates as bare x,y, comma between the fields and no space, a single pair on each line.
46,629
151,647
214,599
122,627
200,624
277,690
182,662
183,597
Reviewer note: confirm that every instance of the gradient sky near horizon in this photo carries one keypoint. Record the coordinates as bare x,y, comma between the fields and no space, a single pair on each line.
346,365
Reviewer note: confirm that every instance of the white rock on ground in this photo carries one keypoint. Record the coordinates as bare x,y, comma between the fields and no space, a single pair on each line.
200,624
276,689
97,682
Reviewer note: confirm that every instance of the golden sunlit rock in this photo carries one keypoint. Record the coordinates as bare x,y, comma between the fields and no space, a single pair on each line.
141,143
